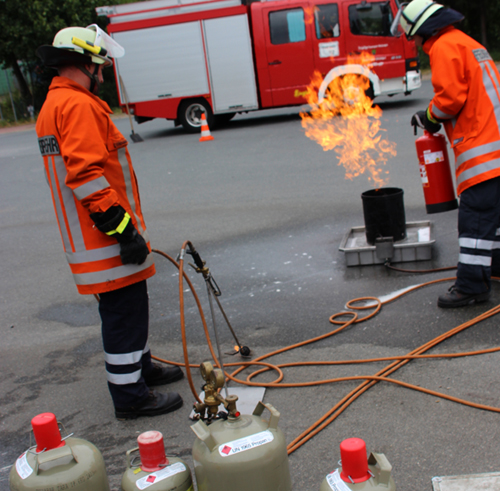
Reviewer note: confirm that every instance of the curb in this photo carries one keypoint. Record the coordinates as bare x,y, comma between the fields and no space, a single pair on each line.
31,126
13,129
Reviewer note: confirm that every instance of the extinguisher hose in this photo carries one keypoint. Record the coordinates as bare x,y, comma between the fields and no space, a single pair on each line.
342,319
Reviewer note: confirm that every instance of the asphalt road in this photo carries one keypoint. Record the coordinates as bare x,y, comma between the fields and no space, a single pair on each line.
267,209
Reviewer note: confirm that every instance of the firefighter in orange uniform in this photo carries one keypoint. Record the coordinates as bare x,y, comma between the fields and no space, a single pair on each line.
98,209
467,102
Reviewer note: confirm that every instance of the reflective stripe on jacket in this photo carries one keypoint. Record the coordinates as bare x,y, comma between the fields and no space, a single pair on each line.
467,99
89,169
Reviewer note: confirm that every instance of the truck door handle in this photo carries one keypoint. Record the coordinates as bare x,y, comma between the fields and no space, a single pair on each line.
275,62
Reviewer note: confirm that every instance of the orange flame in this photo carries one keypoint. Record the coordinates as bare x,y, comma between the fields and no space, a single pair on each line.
347,122
309,14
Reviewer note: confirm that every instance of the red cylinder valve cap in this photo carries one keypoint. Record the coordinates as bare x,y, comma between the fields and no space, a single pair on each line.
46,431
354,461
152,451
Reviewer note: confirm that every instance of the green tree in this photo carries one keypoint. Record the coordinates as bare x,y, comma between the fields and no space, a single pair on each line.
481,20
27,24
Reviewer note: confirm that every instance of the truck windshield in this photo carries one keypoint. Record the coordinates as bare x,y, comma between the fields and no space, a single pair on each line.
287,26
327,20
370,19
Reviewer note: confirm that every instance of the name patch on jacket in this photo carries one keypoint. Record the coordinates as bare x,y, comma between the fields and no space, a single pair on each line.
48,145
481,55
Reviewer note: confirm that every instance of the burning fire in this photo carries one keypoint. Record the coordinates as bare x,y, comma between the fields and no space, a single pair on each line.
309,14
347,122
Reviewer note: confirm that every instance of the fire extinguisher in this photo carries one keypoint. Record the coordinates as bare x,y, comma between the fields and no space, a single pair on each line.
435,172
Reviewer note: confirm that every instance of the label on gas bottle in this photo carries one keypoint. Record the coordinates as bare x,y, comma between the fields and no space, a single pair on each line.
154,477
433,157
335,482
22,467
247,443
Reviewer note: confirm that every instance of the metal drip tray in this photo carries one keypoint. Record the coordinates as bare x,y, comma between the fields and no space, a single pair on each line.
415,247
471,482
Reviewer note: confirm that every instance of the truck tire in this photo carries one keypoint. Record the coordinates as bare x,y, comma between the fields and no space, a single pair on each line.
348,93
190,112
368,92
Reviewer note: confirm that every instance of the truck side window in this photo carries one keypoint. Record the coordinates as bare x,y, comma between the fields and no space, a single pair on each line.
327,20
287,26
370,19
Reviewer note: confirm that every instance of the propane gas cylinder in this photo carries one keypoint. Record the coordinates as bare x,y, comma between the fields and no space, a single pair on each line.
154,470
357,472
435,172
241,453
54,463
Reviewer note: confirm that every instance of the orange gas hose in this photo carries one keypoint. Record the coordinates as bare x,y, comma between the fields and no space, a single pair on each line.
368,380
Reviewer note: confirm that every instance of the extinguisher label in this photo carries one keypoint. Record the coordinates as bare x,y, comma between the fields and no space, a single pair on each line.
22,467
423,174
433,157
247,443
154,477
335,482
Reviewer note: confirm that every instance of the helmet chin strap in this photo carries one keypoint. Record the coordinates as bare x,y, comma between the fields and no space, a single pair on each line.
94,78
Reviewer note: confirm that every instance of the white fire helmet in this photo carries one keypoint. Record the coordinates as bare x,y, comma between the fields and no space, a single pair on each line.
413,14
81,45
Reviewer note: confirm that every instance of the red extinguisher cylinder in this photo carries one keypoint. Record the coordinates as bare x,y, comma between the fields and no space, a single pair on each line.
435,172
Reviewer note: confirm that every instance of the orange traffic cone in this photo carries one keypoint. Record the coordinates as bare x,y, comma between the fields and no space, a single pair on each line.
205,130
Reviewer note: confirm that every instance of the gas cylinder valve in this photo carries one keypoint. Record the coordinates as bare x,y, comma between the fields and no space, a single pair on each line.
208,410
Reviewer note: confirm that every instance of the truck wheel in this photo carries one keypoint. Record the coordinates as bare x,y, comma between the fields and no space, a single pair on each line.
350,93
190,112
370,92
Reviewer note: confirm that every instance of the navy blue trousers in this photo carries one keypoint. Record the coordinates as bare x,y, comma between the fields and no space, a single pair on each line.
125,325
479,237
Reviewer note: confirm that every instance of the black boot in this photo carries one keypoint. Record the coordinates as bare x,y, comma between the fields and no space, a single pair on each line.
156,403
455,298
161,375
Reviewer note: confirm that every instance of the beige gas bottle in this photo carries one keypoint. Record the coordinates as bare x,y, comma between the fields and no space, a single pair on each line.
154,471
54,463
357,472
242,452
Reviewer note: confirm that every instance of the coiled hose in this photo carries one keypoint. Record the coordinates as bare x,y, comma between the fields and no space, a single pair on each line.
368,381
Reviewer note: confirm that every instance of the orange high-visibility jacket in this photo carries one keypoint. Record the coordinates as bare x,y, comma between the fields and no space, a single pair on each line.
88,169
467,99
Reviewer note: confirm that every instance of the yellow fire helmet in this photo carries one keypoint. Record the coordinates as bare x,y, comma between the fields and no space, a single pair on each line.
80,46
413,14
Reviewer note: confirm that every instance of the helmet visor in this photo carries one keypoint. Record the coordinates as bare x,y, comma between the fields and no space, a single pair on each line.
397,19
102,39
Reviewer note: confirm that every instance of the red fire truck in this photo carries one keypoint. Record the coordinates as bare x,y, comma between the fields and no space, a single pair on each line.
222,57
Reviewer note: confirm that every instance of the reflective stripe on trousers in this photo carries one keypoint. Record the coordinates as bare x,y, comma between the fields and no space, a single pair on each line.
476,252
125,318
479,236
113,361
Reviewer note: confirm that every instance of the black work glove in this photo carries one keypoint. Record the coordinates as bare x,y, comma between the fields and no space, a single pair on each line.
421,120
133,248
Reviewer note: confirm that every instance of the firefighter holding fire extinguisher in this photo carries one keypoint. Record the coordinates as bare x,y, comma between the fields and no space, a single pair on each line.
466,101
